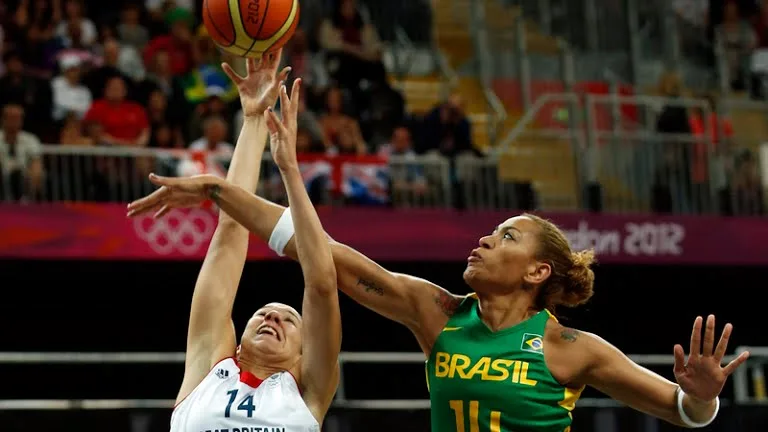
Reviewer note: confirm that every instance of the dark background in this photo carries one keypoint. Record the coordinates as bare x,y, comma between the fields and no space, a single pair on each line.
144,306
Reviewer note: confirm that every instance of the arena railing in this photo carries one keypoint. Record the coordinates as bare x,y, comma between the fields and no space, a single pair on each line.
628,162
109,174
743,394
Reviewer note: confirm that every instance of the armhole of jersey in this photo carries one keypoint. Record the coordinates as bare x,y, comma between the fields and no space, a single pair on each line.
206,376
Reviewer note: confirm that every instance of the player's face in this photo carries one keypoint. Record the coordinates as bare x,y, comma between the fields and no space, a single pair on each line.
505,257
275,331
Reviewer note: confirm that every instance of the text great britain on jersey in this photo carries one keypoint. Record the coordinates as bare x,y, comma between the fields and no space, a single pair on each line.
248,429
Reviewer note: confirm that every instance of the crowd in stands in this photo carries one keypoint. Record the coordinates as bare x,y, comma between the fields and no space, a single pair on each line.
145,74
739,28
683,179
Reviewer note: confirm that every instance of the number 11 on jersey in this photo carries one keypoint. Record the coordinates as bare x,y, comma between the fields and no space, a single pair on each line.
474,406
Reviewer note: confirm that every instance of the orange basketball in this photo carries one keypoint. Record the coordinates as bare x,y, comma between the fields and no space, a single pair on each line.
250,28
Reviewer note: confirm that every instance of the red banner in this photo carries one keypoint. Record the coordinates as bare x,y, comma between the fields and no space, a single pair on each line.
101,231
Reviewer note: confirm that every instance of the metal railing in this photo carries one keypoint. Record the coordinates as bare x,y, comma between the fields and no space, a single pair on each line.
743,394
110,174
614,142
548,169
485,67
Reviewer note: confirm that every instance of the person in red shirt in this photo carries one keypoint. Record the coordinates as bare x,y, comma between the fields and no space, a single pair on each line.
178,43
124,123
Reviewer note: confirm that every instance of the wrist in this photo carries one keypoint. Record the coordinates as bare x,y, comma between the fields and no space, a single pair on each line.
289,168
214,188
696,413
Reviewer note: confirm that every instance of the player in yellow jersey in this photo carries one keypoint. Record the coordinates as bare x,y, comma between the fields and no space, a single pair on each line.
497,360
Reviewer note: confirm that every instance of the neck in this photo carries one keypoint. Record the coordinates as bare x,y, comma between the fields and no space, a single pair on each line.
501,311
264,369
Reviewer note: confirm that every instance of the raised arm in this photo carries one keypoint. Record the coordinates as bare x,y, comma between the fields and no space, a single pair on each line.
211,334
693,402
321,320
418,304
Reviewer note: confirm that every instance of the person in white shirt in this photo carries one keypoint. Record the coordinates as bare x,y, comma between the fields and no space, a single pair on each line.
284,373
21,164
69,94
214,137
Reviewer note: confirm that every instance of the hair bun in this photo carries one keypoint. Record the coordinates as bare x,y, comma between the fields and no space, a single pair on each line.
581,279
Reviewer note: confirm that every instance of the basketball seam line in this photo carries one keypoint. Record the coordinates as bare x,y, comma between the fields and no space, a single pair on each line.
232,23
293,25
216,27
261,26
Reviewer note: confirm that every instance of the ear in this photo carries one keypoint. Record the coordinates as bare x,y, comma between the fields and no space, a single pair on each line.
537,273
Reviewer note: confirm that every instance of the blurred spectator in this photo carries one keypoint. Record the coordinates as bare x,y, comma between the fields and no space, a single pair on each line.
745,195
74,47
178,43
214,138
72,132
163,138
349,141
761,25
159,117
124,123
36,21
118,58
213,106
738,40
20,88
352,47
407,174
715,134
308,66
306,143
21,166
671,157
74,18
333,121
206,78
673,118
447,129
307,121
69,94
210,153
130,31
160,77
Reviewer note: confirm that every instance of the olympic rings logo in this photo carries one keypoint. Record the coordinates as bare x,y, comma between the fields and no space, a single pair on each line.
177,231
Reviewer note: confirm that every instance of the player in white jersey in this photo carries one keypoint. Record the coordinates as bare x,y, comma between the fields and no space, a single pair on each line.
283,375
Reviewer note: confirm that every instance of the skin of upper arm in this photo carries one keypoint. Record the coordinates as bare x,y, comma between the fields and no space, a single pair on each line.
418,304
600,365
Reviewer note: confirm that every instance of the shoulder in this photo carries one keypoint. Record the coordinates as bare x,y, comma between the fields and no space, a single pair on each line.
569,352
450,303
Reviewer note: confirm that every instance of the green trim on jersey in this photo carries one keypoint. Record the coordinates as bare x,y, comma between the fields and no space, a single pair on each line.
485,381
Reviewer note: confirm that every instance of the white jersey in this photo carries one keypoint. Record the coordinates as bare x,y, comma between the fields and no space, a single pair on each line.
228,400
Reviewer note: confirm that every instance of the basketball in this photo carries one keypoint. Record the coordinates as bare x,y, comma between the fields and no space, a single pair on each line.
250,28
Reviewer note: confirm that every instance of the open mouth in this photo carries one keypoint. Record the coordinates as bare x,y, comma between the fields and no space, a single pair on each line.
268,331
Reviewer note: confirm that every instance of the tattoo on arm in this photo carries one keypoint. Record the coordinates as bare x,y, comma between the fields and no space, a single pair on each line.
371,287
569,334
214,192
447,302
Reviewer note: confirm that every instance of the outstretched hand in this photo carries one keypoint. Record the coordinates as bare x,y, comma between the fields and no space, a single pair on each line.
259,88
703,376
180,192
282,133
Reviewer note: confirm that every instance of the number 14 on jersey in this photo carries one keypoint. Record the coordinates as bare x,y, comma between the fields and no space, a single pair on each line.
474,407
